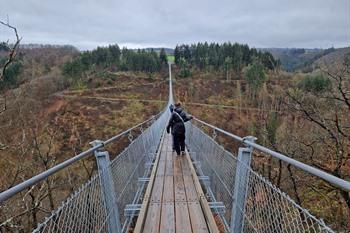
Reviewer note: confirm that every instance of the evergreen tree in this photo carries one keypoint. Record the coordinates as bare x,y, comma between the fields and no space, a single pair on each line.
112,57
184,68
212,56
227,67
177,54
115,53
255,77
315,84
11,75
187,52
4,47
268,60
162,56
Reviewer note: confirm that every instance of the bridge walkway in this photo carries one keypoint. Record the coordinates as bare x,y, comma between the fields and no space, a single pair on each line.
174,200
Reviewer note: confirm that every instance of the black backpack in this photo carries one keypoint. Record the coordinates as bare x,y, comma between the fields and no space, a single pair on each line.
180,125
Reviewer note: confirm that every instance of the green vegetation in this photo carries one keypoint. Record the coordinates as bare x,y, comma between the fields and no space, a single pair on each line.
315,84
227,67
298,59
255,77
171,58
272,124
184,68
212,56
163,57
80,86
4,47
113,58
11,75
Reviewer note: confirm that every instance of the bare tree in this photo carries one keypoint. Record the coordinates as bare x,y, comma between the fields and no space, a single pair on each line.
326,137
11,56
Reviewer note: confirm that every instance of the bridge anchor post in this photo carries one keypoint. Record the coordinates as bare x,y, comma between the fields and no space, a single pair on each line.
107,189
241,187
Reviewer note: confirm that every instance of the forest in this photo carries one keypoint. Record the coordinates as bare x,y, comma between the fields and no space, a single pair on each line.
225,57
221,56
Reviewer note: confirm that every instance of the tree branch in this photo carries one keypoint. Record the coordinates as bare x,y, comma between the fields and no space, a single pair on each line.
12,55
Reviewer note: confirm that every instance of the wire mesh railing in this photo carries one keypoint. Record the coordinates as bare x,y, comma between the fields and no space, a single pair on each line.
92,208
265,208
87,210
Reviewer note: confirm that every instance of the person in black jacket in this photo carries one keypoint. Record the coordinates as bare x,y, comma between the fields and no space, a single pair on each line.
171,108
177,125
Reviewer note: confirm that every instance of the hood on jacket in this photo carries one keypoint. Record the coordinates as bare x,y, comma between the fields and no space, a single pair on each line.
178,110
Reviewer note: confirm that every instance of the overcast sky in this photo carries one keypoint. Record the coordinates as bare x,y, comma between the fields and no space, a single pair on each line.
87,24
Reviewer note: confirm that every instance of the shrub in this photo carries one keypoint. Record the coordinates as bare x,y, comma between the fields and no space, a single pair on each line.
315,84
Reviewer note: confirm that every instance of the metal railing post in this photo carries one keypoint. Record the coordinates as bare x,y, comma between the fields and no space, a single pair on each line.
241,186
107,189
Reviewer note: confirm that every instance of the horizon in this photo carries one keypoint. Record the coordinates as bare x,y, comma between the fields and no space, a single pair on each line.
128,46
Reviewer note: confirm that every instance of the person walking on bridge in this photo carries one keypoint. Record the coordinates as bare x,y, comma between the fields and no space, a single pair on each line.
177,125
171,108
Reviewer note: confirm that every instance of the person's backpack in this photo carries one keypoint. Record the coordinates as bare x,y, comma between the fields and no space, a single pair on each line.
171,108
180,129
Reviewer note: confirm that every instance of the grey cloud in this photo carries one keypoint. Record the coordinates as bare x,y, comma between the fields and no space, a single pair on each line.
260,23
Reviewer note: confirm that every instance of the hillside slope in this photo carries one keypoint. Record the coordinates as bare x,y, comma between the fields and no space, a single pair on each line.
334,58
293,59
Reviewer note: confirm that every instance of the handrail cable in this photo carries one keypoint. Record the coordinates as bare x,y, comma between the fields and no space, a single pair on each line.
307,168
35,179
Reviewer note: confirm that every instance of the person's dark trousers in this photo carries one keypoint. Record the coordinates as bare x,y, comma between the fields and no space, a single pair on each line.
173,146
182,142
179,143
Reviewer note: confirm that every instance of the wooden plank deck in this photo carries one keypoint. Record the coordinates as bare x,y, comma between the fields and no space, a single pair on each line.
175,202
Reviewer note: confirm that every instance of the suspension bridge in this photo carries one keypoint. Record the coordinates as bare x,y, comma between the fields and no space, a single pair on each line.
147,188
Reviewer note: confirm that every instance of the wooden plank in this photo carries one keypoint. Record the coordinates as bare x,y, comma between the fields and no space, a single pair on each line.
182,223
180,193
196,214
153,218
146,200
157,192
213,228
152,222
162,162
177,166
168,192
161,166
198,222
154,215
169,142
186,171
191,192
169,171
165,143
167,221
